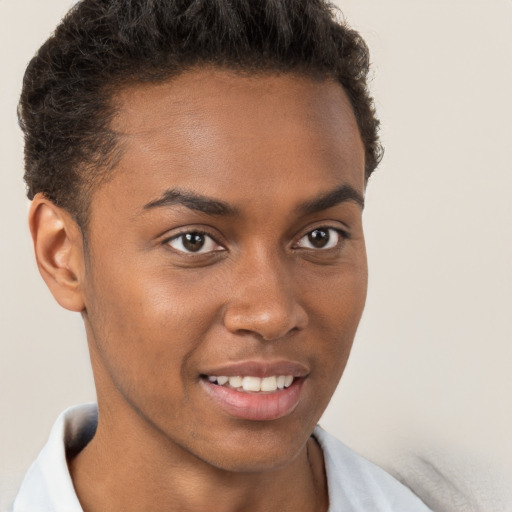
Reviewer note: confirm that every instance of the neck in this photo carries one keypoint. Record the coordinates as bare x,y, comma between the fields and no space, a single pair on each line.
128,466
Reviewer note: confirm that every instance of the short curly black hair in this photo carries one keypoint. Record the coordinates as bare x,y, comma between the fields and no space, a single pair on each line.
66,106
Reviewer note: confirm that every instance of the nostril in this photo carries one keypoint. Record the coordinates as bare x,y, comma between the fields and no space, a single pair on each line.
291,331
267,326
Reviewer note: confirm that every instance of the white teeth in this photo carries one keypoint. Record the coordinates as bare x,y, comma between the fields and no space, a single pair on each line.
254,384
235,382
269,384
251,383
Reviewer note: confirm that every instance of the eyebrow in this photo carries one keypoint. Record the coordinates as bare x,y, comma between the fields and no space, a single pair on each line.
193,201
212,206
339,195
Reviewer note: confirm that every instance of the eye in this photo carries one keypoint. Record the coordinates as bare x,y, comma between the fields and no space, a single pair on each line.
194,242
321,238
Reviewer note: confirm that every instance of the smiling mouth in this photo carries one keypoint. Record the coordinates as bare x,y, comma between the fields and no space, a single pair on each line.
250,384
249,397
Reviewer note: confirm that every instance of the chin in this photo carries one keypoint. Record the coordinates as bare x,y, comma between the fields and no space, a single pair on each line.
257,449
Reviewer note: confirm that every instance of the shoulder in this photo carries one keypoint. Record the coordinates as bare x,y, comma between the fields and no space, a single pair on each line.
356,484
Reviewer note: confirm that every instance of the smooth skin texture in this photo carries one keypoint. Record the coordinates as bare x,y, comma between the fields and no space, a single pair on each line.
229,232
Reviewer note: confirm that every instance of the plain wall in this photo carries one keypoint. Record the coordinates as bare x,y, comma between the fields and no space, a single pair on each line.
428,390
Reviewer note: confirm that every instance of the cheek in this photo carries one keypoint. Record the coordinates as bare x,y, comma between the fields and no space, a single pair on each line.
336,298
335,315
146,327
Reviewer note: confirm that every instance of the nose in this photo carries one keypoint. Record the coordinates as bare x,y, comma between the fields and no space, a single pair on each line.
264,300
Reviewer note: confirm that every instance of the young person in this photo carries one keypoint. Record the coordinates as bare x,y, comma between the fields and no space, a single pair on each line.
197,172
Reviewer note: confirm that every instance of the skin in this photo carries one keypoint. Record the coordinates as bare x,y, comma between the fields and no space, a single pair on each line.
158,318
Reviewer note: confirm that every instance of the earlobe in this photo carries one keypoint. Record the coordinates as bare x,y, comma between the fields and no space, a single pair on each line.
58,248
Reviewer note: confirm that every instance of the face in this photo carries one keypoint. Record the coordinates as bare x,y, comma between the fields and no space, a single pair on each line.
226,270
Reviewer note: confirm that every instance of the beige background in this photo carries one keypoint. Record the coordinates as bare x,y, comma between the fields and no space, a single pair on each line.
428,391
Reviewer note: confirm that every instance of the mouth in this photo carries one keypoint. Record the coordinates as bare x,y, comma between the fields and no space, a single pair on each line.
256,392
252,384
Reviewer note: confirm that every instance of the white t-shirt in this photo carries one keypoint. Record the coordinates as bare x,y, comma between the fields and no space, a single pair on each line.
355,484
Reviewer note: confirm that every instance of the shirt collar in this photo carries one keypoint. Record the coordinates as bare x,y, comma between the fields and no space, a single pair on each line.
47,484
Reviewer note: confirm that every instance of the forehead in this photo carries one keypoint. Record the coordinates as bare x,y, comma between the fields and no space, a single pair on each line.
227,134
200,93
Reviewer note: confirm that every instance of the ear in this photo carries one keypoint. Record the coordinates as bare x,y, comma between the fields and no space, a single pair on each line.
58,248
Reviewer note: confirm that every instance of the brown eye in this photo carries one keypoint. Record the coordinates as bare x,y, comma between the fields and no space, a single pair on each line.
320,238
194,242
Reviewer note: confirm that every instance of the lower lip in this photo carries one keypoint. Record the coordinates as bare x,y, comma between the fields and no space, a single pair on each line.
256,406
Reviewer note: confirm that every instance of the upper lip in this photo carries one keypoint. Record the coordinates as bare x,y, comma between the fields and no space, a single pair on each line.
259,369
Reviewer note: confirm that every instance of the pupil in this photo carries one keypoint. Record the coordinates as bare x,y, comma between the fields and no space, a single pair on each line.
193,241
319,238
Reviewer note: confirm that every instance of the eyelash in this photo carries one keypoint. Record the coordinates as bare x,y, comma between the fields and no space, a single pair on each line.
343,235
